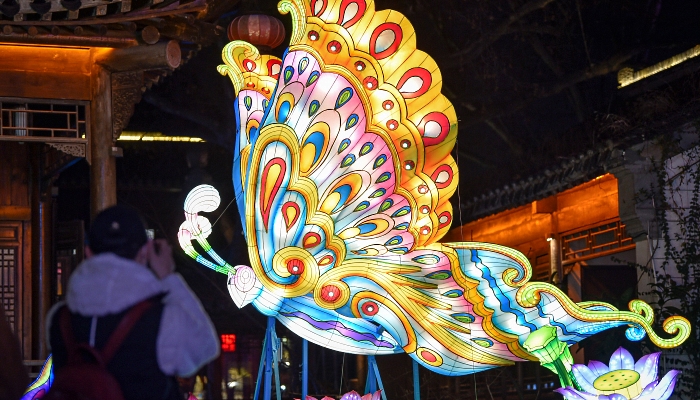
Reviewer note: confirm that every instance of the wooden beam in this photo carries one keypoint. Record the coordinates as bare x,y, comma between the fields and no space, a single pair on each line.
53,35
115,18
15,213
163,55
150,34
44,72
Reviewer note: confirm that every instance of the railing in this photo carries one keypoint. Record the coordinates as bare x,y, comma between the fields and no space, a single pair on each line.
63,125
596,242
37,120
34,367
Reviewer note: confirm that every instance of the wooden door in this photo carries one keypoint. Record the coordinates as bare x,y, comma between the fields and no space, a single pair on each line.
12,258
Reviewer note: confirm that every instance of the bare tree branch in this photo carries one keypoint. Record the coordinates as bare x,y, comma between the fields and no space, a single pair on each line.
603,68
501,29
514,147
543,29
547,58
567,81
170,107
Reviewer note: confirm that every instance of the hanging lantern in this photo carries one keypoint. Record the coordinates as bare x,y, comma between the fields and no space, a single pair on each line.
260,30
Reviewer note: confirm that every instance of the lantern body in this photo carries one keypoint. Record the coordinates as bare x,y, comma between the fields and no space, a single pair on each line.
342,175
260,30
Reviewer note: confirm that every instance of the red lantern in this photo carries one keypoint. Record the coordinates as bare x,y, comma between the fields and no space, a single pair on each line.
260,30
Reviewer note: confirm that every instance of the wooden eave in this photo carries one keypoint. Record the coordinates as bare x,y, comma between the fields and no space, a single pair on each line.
119,23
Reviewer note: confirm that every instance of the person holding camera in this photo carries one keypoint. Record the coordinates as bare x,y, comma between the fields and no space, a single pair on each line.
128,312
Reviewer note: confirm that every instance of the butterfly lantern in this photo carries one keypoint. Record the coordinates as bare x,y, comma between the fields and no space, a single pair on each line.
342,176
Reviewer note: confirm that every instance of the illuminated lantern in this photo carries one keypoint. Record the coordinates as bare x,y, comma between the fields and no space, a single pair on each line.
42,383
260,30
342,175
621,379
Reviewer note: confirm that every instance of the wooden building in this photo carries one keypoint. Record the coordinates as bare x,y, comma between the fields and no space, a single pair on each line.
71,72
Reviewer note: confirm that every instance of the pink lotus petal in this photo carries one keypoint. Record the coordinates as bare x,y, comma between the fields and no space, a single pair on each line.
598,368
621,359
663,389
614,396
373,396
647,367
572,394
351,395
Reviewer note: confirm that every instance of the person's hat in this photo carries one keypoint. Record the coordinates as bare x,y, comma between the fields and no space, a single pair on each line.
118,230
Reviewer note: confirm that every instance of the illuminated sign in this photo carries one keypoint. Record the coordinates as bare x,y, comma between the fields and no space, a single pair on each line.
228,343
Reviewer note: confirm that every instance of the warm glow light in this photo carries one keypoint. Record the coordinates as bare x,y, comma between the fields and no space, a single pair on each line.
155,137
628,76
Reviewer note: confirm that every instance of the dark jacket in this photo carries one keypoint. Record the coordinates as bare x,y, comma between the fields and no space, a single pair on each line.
135,364
174,338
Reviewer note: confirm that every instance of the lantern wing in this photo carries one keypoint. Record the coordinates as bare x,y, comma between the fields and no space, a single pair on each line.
351,157
254,78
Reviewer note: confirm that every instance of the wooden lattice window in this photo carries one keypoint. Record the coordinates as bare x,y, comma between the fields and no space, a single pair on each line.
27,120
541,269
8,271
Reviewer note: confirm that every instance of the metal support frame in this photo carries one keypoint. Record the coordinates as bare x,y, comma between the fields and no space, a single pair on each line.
416,381
305,370
269,361
374,380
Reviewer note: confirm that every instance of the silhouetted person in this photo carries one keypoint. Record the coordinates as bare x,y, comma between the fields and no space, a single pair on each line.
174,337
13,375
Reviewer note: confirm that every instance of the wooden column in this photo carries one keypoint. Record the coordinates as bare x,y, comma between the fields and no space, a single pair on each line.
41,254
556,271
103,174
361,371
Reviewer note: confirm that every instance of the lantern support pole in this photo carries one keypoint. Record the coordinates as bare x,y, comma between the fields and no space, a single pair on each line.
374,380
268,363
416,381
275,363
305,369
256,395
370,382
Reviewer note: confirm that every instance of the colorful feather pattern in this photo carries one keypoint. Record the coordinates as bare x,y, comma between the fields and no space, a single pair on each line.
42,383
342,175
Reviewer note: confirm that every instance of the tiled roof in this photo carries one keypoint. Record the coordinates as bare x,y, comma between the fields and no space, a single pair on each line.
117,23
568,174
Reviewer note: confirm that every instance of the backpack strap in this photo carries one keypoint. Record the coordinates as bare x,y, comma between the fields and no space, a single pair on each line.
67,332
123,329
115,340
